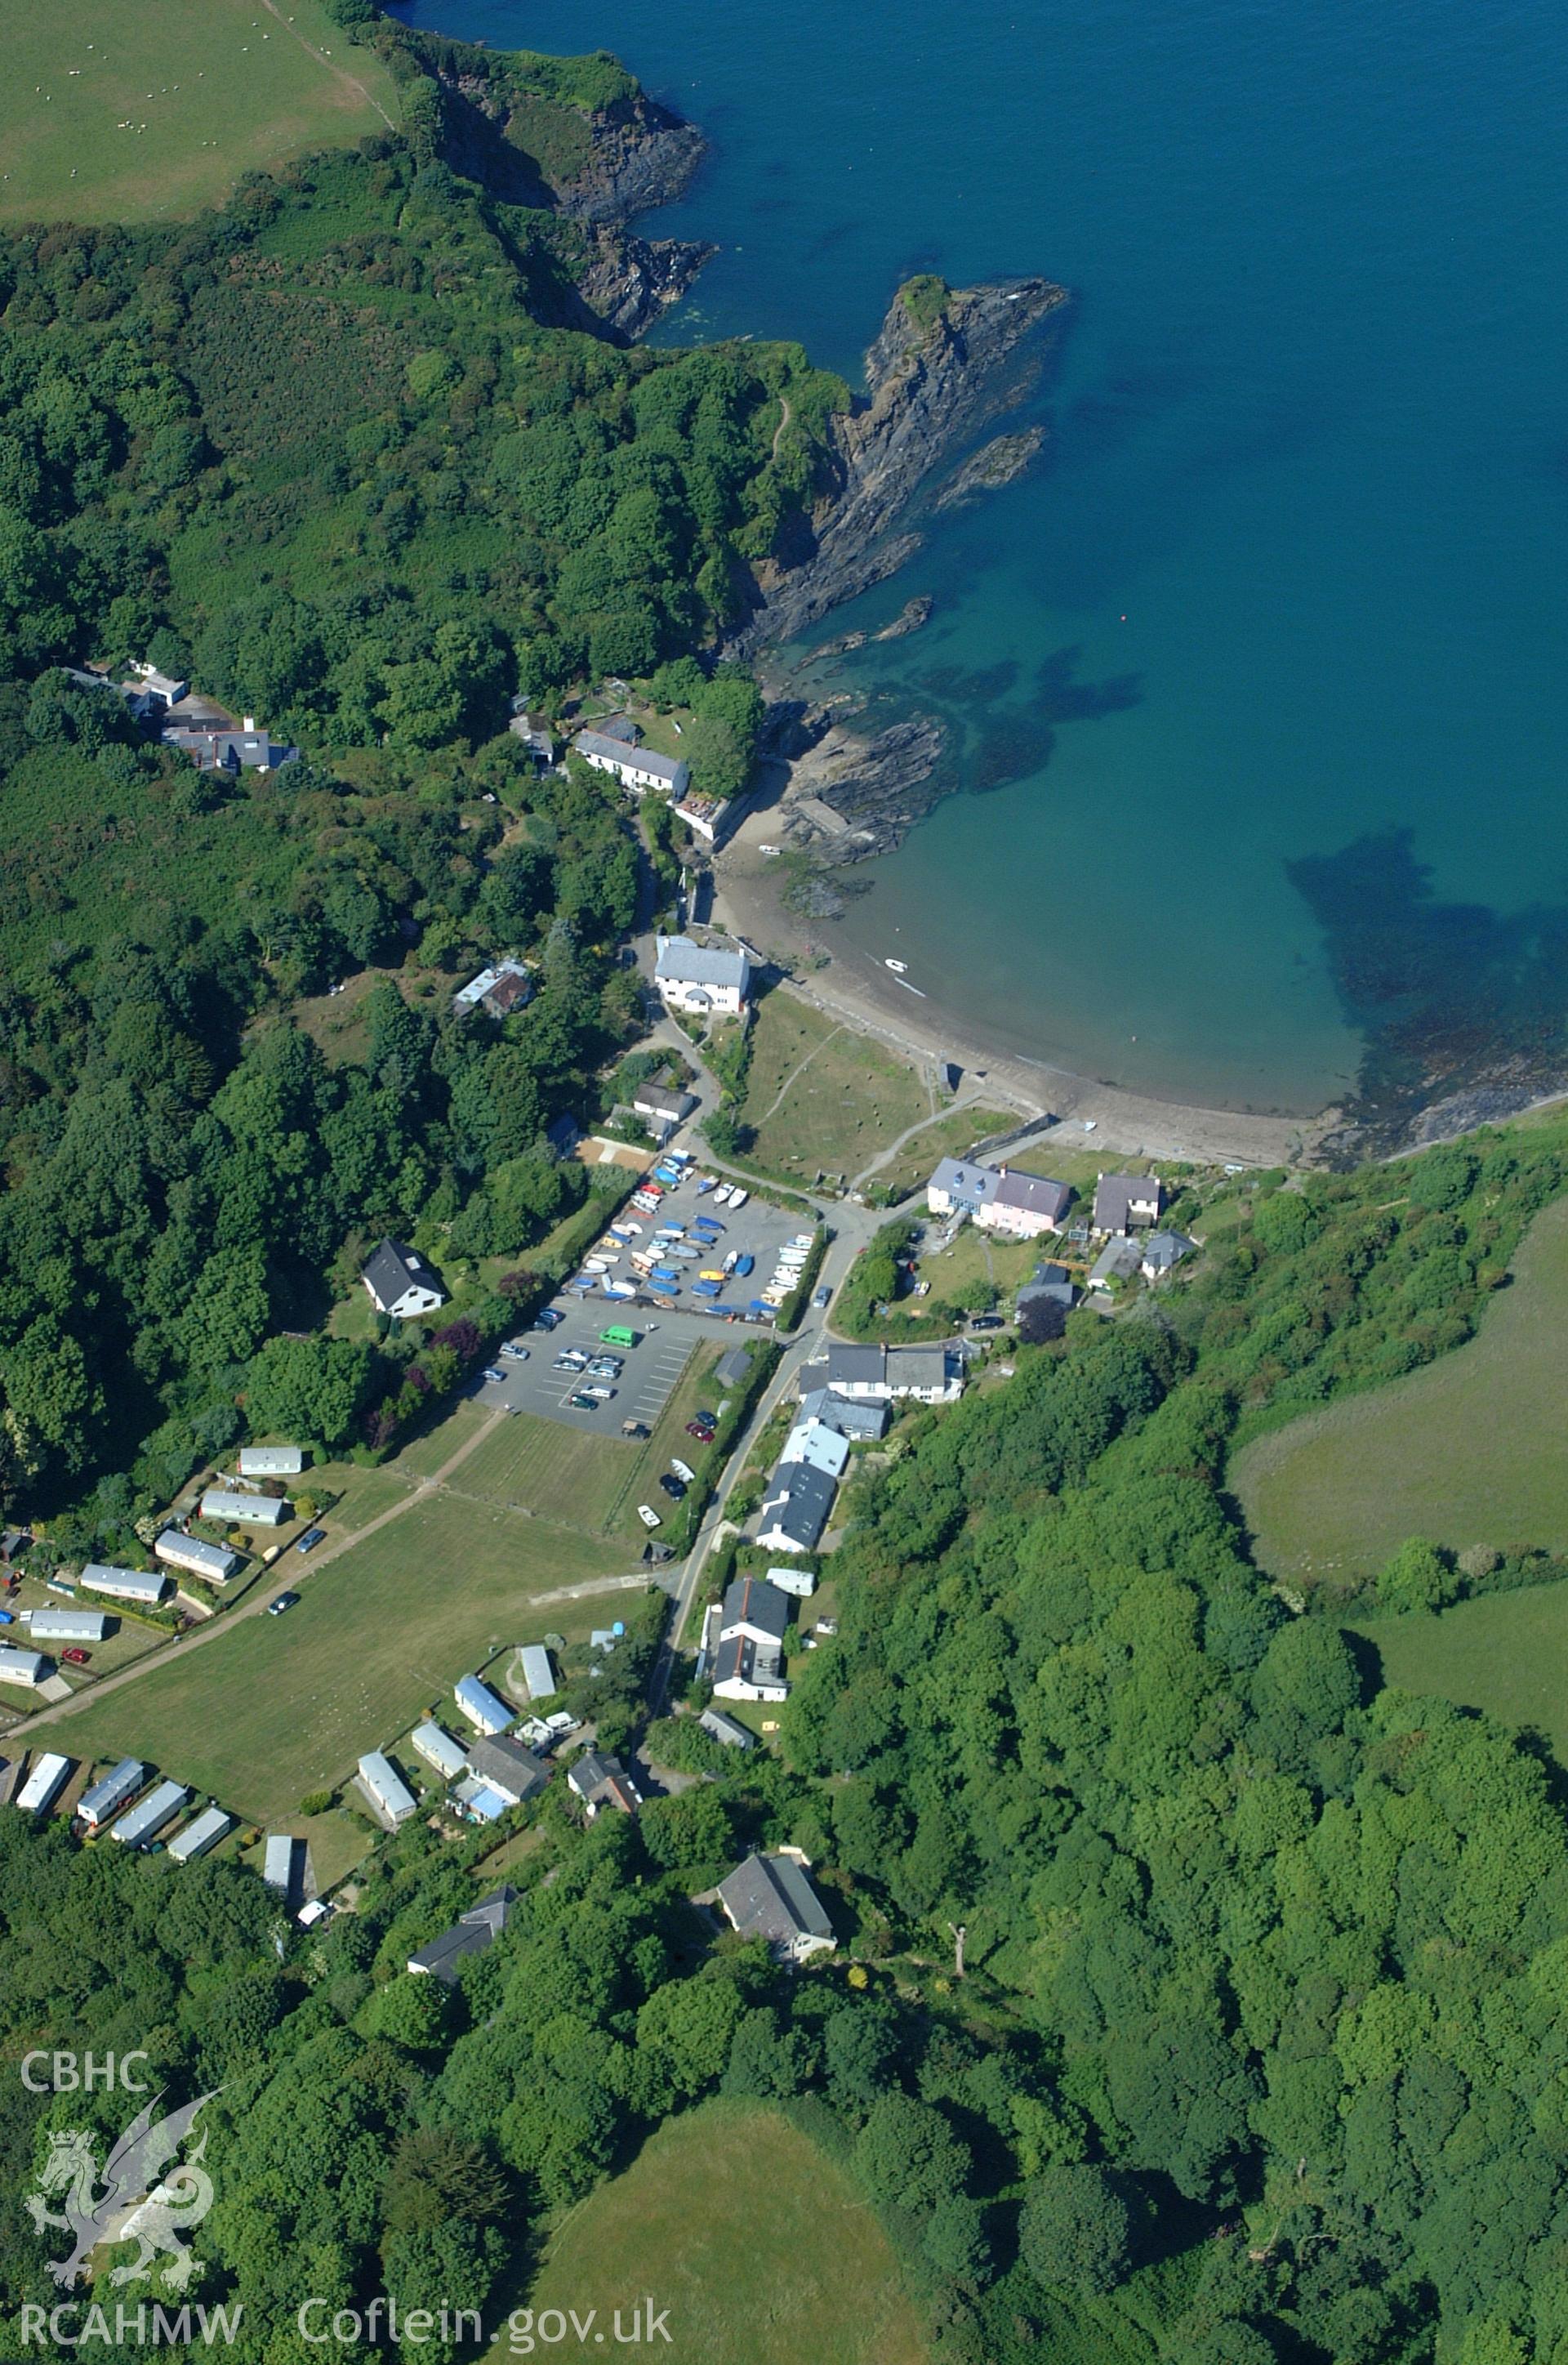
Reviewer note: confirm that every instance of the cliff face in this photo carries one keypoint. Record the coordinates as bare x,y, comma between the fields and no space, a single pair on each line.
933,386
595,170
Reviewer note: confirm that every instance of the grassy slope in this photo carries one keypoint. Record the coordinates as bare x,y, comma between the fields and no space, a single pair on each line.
1471,1450
754,2242
852,1101
222,86
1507,1653
278,1708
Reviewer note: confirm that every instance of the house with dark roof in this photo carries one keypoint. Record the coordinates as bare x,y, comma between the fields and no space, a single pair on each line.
1123,1203
769,1897
505,1766
598,1780
1119,1259
1052,1285
749,1661
400,1282
214,749
443,1957
1163,1251
733,1370
662,1109
496,991
637,769
705,981
726,1729
960,1186
929,1374
795,1508
862,1420
1025,1206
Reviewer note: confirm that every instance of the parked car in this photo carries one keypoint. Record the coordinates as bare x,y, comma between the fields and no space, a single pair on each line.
310,1539
682,1470
514,1353
605,1367
705,1419
285,1601
583,1402
648,1515
548,1317
634,1429
573,1359
673,1487
493,1373
599,1394
703,1435
983,1322
76,1657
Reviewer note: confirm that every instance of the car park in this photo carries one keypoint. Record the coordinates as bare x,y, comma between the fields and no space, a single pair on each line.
310,1539
673,1487
682,1469
648,1515
284,1601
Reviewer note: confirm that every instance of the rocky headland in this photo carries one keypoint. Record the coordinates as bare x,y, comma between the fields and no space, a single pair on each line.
936,376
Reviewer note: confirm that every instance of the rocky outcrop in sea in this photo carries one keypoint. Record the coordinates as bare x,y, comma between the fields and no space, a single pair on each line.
934,385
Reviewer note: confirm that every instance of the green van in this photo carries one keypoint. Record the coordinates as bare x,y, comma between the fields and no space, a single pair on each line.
618,1335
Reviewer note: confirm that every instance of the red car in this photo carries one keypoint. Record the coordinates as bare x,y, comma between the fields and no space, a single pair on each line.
76,1658
696,1429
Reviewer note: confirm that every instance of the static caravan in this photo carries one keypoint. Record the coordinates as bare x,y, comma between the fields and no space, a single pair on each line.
437,1749
155,1813
385,1786
271,1460
69,1625
111,1791
277,1868
146,1588
28,1668
214,1563
244,1511
802,1582
43,1785
197,1837
480,1705
537,1672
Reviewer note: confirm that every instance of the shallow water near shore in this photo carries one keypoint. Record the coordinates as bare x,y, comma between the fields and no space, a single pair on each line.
1261,668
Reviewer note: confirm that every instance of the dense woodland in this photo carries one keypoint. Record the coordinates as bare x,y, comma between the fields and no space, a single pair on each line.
329,454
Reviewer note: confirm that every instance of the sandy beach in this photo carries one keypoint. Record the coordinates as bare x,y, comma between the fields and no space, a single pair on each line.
748,902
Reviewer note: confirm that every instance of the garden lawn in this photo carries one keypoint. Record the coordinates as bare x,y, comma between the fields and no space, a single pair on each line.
756,2243
278,1707
1507,1653
114,111
1471,1450
834,1114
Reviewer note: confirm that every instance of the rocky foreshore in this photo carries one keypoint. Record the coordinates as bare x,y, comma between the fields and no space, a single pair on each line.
934,385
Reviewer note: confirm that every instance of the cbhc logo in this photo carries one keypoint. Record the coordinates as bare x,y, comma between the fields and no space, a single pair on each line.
71,2073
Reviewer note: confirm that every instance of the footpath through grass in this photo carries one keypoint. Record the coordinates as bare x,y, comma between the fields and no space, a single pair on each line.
1472,1450
834,1113
756,2243
129,110
278,1707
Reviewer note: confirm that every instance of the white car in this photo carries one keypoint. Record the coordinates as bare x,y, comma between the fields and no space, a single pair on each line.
682,1472
648,1515
600,1394
512,1352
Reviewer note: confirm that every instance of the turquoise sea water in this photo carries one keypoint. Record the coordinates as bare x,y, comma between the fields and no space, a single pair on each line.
1267,657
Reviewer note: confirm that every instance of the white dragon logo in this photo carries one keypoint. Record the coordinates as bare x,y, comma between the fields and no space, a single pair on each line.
138,2203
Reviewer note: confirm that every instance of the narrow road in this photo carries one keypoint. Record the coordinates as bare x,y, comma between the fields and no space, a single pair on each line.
266,1590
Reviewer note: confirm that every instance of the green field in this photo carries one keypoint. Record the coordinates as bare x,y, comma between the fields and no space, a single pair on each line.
952,1136
590,1482
836,1111
114,111
756,2243
1507,1653
276,1708
1471,1450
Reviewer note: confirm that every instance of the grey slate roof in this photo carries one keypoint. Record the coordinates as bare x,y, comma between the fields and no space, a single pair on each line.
752,1601
1036,1194
733,1370
727,1729
1051,1281
391,1269
856,1418
1116,1195
797,1503
469,1934
740,1658
855,1366
1118,1260
769,1897
504,1764
688,963
661,1101
971,1185
1162,1251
